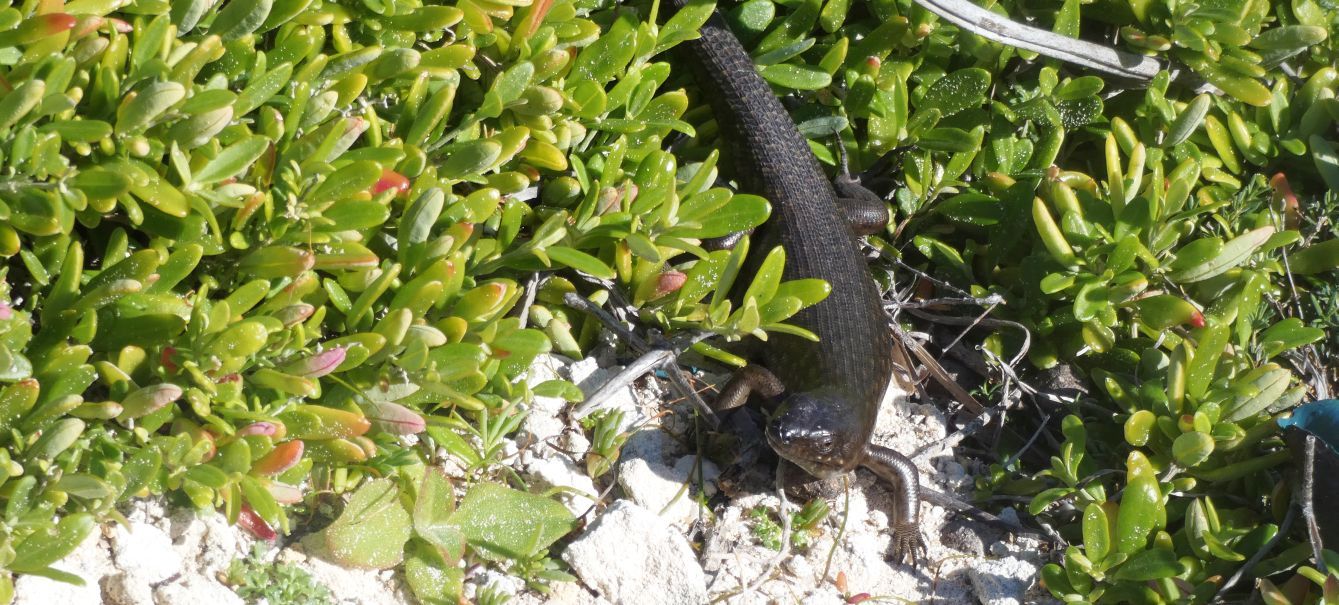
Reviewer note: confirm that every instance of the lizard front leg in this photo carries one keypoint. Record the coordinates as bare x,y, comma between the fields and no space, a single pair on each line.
749,379
865,211
896,469
724,242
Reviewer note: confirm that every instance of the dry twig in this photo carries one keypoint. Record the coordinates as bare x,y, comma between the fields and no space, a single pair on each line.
663,354
994,27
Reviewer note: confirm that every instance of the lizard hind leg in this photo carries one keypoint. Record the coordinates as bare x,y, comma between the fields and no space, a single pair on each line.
898,470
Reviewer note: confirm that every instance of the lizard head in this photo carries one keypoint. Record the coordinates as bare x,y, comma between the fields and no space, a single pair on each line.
814,431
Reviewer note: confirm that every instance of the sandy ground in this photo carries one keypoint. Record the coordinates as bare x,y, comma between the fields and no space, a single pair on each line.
671,527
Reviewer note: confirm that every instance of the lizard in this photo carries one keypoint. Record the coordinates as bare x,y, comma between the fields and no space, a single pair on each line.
825,395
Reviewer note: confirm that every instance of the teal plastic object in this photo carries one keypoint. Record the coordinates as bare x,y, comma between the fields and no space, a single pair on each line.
1320,419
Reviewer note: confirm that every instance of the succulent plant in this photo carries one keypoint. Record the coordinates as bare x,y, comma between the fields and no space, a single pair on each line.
259,251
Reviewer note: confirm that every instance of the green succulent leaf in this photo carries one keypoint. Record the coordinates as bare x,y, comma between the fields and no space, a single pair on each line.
373,529
500,521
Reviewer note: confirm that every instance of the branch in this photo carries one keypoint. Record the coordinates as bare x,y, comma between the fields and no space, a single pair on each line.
664,354
994,27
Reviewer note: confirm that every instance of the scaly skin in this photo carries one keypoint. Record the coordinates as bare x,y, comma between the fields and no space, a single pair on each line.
830,391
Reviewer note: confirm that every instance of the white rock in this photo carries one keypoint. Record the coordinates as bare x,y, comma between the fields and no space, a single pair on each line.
734,557
661,489
560,593
582,369
577,444
1002,581
509,449
631,555
498,581
90,561
965,539
149,510
290,555
953,472
545,422
653,445
195,590
559,471
352,586
710,473
126,589
145,552
206,542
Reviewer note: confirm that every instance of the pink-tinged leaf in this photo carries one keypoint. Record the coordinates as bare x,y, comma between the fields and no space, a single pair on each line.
6,311
669,282
251,522
336,451
38,27
267,429
394,418
318,422
197,434
294,314
122,26
1285,200
391,179
346,261
300,386
87,25
54,23
165,358
461,231
213,444
284,456
148,400
481,301
538,11
318,365
274,262
284,493
1196,319
610,199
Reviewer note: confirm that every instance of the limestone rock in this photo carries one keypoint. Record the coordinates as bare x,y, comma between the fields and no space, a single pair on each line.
632,555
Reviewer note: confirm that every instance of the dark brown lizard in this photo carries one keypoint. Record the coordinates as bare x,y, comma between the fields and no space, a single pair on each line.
827,393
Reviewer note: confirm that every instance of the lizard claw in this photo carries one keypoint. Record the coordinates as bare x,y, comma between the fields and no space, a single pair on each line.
908,544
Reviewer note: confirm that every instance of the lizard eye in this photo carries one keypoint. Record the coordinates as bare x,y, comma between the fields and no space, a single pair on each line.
825,442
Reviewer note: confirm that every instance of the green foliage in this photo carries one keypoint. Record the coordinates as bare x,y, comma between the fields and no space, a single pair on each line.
606,440
414,519
1143,236
276,583
803,524
765,528
249,247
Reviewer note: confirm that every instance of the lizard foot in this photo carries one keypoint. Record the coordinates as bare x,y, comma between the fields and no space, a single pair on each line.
908,544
